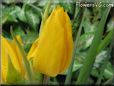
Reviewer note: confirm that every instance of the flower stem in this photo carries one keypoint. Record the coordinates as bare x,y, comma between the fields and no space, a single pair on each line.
46,79
69,75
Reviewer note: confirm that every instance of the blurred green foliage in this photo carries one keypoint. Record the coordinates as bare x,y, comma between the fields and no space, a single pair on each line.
25,18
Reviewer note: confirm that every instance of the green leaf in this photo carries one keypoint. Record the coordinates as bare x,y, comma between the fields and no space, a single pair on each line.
106,41
9,1
21,14
77,21
1,7
95,72
13,76
109,71
67,6
85,40
89,61
101,57
32,17
110,25
76,65
29,1
19,31
9,14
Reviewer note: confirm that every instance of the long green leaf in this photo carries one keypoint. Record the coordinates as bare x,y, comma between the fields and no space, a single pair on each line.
89,61
106,41
25,61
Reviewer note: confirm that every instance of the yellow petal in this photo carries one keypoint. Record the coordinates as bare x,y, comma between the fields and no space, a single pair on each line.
69,44
18,54
33,50
19,39
4,66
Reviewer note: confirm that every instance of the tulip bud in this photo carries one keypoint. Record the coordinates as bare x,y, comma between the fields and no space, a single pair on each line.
10,49
52,52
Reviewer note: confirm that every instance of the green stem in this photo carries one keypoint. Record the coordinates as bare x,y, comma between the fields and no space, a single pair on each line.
46,79
69,75
89,61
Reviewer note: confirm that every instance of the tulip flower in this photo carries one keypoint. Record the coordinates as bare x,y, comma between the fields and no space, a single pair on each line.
51,53
10,50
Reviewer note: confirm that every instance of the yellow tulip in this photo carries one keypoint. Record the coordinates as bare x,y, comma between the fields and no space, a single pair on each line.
10,49
52,51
